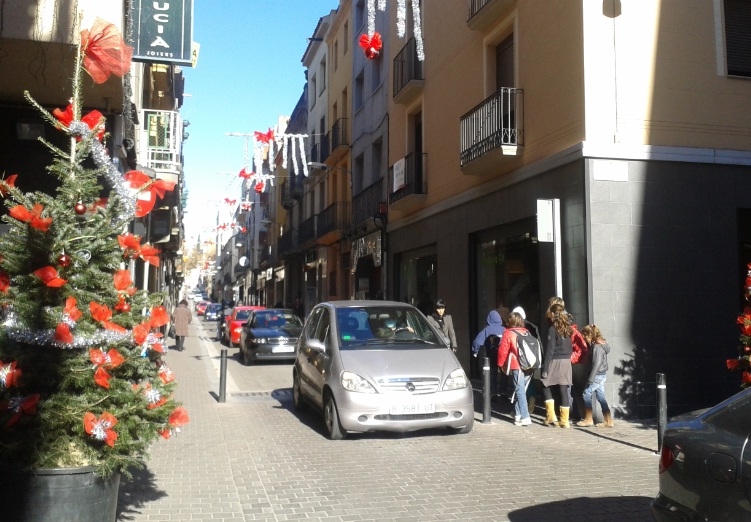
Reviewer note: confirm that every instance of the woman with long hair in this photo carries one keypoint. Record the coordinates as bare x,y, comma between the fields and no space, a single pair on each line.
556,365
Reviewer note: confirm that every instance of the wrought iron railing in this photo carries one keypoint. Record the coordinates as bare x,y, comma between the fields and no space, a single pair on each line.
495,122
334,217
161,140
407,66
287,242
475,6
415,181
307,230
365,204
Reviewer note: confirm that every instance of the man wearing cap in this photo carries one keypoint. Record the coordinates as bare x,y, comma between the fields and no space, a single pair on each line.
443,323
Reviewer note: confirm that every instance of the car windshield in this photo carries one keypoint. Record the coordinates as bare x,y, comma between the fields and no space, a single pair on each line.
213,308
374,326
242,315
275,319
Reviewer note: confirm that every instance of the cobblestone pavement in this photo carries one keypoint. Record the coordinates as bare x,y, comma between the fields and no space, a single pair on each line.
253,458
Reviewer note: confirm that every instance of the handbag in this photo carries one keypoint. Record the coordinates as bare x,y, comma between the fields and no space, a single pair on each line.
171,331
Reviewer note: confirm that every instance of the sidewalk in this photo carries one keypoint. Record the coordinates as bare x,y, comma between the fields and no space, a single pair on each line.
253,458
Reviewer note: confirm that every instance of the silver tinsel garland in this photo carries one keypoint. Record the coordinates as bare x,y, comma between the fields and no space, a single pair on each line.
101,158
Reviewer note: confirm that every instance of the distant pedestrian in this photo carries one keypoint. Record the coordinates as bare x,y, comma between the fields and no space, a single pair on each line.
443,323
508,362
298,309
181,317
556,366
599,349
486,345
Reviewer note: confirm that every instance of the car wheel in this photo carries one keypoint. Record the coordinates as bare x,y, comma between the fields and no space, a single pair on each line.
247,361
466,429
297,400
334,430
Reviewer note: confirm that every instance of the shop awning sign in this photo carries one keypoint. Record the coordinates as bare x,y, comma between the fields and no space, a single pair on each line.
162,31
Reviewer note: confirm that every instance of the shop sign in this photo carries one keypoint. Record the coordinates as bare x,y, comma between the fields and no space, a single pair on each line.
163,31
364,246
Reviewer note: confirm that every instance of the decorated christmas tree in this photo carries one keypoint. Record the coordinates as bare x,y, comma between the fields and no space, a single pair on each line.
83,381
742,363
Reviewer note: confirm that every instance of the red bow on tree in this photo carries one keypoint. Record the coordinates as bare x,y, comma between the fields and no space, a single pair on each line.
33,217
264,137
92,119
371,45
178,418
49,277
104,51
5,184
9,375
4,282
21,405
131,245
148,190
101,428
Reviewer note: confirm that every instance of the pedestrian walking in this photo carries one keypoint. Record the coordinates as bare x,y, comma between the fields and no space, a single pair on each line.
599,350
508,361
487,341
556,366
534,330
181,317
443,322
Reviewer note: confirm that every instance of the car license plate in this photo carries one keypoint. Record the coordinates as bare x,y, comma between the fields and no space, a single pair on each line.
411,409
283,349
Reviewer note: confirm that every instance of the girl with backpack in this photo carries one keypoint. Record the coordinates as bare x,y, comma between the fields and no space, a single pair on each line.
508,361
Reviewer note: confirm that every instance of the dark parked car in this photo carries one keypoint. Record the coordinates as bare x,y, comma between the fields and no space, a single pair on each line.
379,365
705,464
212,312
269,334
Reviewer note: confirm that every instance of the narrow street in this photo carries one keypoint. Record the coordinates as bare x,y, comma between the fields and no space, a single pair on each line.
254,458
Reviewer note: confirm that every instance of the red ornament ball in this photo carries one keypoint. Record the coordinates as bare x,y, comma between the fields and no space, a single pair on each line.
125,308
64,260
747,349
80,208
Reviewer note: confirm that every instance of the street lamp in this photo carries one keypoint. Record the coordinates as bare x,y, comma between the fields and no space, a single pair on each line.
319,166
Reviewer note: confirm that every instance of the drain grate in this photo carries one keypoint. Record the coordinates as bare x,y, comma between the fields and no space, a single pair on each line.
277,395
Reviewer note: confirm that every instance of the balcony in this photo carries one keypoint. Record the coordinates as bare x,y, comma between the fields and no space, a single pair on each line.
338,138
291,192
287,244
409,183
160,143
491,131
408,77
307,233
315,153
332,221
484,14
365,204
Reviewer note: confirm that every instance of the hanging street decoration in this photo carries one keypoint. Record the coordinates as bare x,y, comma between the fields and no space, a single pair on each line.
371,45
401,22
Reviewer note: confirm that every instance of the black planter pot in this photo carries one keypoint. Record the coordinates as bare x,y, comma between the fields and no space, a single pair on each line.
57,495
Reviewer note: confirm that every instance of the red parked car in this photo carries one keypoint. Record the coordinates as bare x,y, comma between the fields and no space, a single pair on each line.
234,325
201,307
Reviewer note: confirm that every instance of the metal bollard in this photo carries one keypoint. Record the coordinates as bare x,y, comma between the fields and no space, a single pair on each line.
486,390
223,376
662,409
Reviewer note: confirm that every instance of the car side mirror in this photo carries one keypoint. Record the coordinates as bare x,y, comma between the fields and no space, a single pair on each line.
315,345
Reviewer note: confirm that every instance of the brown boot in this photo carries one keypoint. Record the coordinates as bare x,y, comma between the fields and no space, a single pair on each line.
531,405
587,420
564,418
607,420
550,410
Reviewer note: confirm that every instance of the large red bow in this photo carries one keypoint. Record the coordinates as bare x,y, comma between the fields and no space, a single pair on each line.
104,51
264,137
101,428
372,45
33,217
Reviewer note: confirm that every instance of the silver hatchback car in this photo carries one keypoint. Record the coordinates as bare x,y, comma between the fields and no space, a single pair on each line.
379,366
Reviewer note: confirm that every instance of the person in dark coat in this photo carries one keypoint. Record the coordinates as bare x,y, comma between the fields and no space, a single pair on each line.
556,365
443,323
181,318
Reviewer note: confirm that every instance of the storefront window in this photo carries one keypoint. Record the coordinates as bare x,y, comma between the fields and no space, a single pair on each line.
508,273
418,278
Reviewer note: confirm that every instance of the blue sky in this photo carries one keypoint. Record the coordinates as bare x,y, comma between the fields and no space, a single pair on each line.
249,73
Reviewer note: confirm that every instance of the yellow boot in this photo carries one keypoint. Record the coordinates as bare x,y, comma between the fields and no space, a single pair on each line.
607,418
550,409
587,420
564,417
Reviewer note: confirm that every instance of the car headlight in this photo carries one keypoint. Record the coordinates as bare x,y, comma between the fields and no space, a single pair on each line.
238,329
259,340
353,382
456,380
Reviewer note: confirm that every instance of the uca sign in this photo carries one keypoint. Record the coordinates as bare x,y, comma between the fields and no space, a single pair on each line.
163,31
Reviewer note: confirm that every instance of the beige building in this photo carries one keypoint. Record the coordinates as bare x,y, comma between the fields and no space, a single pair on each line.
596,150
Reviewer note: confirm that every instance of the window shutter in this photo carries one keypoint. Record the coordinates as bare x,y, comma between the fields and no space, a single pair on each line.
738,37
